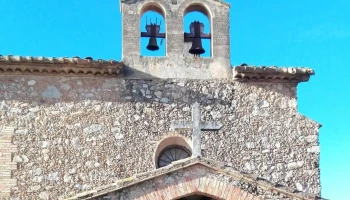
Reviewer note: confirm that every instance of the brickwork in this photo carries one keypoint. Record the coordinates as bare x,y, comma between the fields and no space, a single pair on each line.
205,186
7,150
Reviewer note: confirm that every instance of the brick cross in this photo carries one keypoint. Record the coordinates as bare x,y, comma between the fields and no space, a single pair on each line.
196,125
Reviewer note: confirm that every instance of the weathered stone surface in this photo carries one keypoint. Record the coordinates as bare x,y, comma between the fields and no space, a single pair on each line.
22,131
31,82
44,195
314,149
53,176
17,158
51,92
93,127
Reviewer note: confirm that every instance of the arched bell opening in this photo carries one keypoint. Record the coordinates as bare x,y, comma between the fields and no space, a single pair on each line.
153,29
197,31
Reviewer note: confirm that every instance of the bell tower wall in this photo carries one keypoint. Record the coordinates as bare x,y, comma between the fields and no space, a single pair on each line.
175,64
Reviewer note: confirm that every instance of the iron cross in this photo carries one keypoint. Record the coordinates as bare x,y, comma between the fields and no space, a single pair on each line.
197,126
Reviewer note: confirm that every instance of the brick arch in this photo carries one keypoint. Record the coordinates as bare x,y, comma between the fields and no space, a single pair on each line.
203,186
153,6
201,6
171,140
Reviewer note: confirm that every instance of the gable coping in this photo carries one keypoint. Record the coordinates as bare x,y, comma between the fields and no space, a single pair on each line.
217,166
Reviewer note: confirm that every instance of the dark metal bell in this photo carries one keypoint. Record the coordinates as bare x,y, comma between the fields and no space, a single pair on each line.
197,47
152,44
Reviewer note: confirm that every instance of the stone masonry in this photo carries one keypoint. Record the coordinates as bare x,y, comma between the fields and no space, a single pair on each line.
77,133
69,125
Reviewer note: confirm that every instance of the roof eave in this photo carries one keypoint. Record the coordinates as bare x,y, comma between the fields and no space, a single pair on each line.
272,74
55,66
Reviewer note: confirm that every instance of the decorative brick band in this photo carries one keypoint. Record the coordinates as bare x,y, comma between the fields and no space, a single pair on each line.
65,66
205,186
246,73
7,149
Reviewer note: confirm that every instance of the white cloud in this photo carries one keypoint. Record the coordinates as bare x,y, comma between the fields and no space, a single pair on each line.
328,31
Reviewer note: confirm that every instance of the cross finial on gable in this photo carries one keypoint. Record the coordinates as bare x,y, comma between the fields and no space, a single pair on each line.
197,126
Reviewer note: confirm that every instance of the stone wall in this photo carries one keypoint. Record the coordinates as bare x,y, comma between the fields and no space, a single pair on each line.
77,133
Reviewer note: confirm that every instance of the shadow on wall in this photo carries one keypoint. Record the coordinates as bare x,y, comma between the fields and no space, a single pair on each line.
54,89
287,89
267,86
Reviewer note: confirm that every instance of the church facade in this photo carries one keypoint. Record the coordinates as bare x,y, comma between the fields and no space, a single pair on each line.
172,127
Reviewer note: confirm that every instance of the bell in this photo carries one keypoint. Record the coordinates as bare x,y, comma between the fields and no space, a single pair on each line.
197,47
152,44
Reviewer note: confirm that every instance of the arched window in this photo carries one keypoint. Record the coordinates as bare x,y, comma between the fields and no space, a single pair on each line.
171,149
153,27
171,154
197,31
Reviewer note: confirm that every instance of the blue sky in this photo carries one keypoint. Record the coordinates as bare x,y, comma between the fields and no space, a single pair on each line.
312,33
